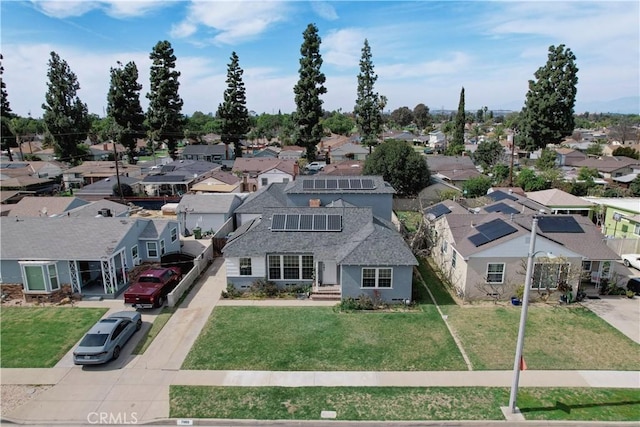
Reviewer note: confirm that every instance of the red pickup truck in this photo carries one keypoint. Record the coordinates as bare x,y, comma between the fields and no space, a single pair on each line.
152,287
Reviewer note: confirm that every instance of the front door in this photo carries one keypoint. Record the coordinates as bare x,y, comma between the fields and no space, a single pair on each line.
329,273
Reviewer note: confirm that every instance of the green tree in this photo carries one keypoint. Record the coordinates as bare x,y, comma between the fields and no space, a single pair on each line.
500,172
547,116
488,153
123,107
529,181
476,186
8,138
400,165
402,116
456,147
547,159
233,110
339,123
585,173
421,116
626,152
368,108
307,93
65,116
594,149
164,117
634,186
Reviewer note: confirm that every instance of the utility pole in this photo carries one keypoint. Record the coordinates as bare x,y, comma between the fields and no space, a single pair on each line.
513,149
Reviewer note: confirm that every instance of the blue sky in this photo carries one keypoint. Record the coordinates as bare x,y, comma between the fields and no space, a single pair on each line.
423,51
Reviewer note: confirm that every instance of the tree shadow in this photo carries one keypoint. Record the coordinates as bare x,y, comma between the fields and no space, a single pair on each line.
560,406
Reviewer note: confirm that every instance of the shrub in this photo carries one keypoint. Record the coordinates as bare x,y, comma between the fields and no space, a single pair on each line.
265,288
231,292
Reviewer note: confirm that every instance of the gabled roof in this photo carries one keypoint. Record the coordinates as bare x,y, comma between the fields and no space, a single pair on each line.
267,197
608,163
93,209
450,163
208,203
105,186
45,206
350,148
204,150
343,168
259,165
65,238
557,198
106,168
361,240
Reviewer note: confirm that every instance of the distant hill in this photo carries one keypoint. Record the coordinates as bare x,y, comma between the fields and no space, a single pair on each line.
627,105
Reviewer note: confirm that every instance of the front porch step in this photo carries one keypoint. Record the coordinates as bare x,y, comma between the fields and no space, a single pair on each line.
325,296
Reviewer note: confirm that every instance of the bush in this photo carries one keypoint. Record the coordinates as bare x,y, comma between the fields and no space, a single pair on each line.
231,292
264,288
363,302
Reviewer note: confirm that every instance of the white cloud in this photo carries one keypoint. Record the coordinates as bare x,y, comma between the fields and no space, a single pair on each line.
114,8
133,8
235,21
343,48
324,10
65,8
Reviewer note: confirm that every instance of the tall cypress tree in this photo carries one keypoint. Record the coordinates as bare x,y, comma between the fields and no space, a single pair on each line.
457,143
307,91
368,108
123,106
8,139
547,116
164,117
65,116
233,110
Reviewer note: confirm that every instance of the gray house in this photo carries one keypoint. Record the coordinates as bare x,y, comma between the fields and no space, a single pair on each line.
207,153
47,257
209,212
340,247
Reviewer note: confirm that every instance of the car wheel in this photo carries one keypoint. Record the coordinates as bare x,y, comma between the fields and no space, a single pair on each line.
116,352
626,263
139,324
160,301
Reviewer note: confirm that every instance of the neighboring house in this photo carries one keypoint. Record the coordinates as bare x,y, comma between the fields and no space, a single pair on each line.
271,152
105,150
29,184
437,139
209,212
100,208
103,189
45,206
560,202
569,156
346,248
219,182
611,166
178,177
343,168
291,152
256,173
618,217
51,169
483,254
49,257
207,153
349,151
446,165
93,171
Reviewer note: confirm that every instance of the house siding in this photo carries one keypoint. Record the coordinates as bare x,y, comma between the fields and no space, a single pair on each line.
401,282
273,176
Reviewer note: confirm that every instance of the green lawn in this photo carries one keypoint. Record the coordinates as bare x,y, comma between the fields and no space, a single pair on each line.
33,337
401,403
320,338
151,333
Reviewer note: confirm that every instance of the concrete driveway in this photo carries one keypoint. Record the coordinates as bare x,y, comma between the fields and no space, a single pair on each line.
620,312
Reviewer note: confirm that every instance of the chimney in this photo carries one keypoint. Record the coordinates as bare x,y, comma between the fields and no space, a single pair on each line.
296,169
105,146
314,203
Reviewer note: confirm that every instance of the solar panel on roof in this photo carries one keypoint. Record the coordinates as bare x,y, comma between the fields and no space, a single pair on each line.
307,184
438,210
343,184
490,231
321,184
332,184
278,221
367,184
334,222
293,221
355,184
496,196
501,207
319,222
306,222
559,224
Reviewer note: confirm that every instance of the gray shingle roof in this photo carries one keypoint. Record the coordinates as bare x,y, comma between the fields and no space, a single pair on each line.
362,240
208,203
266,197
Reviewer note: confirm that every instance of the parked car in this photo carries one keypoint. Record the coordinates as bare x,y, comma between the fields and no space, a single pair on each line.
631,260
105,339
315,166
152,287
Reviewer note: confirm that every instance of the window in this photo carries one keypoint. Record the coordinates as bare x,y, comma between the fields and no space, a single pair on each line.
586,265
291,267
443,248
264,182
40,277
495,273
636,230
162,248
245,266
134,252
174,234
549,275
152,249
454,256
376,277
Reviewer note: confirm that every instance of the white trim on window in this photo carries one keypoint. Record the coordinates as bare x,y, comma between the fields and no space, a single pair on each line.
495,272
376,278
152,249
45,273
454,258
163,249
174,234
290,267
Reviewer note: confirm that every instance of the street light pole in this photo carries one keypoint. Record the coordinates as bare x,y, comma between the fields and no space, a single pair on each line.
523,319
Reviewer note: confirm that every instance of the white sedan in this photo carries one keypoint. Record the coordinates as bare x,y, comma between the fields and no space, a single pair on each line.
631,260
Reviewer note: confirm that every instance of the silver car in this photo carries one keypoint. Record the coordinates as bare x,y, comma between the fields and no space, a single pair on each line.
105,339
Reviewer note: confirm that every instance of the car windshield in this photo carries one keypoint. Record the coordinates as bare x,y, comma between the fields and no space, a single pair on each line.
94,340
148,279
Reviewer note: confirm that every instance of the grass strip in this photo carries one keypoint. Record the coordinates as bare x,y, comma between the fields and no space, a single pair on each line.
401,403
38,337
161,319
